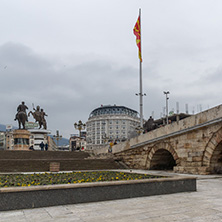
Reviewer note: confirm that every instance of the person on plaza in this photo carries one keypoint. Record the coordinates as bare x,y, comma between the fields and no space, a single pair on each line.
42,146
110,147
46,146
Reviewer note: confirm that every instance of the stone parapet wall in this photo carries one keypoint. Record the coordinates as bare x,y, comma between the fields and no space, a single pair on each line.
192,152
191,121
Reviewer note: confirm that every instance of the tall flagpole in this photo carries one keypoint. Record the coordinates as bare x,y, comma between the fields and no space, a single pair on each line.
141,85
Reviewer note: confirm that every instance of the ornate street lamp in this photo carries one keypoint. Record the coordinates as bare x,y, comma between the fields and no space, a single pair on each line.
57,137
80,126
105,138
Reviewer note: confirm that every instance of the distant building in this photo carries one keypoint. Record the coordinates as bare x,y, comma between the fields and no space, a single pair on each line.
6,140
77,143
9,139
2,141
110,123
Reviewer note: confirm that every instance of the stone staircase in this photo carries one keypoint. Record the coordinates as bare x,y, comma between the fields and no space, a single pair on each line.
39,161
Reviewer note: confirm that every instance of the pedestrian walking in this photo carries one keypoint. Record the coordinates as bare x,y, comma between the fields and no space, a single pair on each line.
42,146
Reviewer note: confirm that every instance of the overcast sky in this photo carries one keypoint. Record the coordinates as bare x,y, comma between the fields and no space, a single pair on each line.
71,56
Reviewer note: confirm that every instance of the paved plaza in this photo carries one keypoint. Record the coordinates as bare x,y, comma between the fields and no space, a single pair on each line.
203,205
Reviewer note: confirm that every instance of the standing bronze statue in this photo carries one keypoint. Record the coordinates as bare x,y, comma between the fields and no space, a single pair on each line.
39,116
149,125
21,115
43,114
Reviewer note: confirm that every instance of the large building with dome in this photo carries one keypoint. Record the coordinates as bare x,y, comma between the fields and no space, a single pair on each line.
110,123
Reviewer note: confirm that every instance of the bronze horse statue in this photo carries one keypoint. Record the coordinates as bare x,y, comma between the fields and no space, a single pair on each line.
39,117
36,115
22,118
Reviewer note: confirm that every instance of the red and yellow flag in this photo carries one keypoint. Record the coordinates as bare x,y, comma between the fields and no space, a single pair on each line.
137,33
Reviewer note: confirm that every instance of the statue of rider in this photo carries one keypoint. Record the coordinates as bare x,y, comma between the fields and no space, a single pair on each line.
149,125
21,108
37,109
37,113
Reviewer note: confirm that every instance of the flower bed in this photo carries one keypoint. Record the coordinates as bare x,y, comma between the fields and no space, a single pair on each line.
23,191
17,180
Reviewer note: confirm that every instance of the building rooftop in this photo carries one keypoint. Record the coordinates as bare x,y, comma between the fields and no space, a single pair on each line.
113,110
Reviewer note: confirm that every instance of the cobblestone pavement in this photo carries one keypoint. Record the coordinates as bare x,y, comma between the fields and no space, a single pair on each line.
203,205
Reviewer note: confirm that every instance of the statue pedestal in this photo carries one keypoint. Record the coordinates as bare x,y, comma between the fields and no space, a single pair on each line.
38,136
21,139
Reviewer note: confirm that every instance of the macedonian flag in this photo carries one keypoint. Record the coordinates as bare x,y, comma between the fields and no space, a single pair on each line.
137,33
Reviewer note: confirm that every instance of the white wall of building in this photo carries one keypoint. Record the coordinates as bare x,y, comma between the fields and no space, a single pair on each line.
115,123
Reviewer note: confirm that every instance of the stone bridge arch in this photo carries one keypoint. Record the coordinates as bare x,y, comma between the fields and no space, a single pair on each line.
212,155
164,152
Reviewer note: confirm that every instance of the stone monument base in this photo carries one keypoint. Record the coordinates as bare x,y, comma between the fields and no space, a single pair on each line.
21,139
38,136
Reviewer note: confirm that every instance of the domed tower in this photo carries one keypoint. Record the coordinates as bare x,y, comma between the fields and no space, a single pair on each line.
110,123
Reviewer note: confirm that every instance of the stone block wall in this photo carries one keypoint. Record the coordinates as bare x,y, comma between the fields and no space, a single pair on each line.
194,152
194,120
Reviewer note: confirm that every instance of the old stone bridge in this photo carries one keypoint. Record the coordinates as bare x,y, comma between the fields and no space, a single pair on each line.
192,145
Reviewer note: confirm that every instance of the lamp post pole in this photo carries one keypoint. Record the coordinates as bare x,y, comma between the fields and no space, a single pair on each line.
166,93
57,137
80,126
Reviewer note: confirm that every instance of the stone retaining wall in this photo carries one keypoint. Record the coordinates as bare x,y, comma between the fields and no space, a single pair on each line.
53,195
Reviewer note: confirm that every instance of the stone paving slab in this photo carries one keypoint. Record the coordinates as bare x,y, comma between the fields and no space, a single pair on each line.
205,205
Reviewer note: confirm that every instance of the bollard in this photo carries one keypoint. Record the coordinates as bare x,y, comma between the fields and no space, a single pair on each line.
54,166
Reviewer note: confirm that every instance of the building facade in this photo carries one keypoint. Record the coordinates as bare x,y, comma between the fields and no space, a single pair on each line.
77,143
110,123
2,141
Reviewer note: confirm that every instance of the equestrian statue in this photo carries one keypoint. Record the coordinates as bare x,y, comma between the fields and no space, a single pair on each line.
21,115
39,116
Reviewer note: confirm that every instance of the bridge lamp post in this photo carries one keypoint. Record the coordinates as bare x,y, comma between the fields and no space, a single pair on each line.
80,126
57,137
105,138
166,93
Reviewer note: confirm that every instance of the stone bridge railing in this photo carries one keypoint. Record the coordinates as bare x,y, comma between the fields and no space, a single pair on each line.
202,119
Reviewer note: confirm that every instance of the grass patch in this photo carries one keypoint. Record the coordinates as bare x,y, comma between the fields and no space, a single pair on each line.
18,180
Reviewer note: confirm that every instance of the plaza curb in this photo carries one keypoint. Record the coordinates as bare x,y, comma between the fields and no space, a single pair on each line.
14,198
